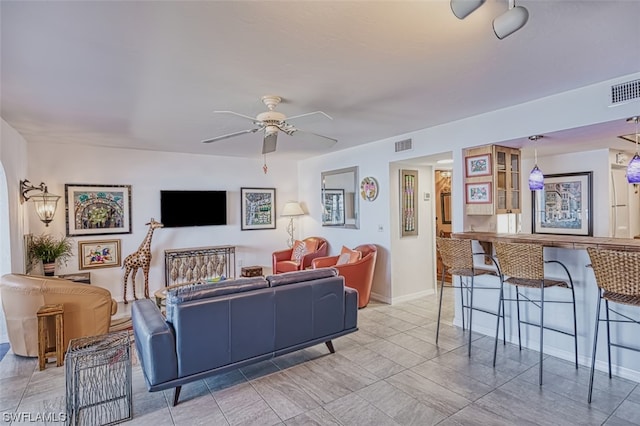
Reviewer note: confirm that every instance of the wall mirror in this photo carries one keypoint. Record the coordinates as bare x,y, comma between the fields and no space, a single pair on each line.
339,198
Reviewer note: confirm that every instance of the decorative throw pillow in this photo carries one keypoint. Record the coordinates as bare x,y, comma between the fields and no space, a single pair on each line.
343,259
299,250
348,256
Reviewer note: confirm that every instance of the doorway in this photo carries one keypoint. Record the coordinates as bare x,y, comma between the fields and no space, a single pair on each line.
5,250
442,180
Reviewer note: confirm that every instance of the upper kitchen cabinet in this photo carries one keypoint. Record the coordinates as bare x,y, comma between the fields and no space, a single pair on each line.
492,180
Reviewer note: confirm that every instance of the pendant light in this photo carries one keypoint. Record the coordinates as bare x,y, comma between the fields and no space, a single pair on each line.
633,169
536,178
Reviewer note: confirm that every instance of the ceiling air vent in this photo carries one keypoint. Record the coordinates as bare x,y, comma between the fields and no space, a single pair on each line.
625,91
404,145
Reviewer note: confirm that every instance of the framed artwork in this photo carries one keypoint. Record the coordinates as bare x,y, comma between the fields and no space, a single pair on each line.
445,207
408,202
97,209
333,207
478,193
258,208
478,165
369,188
564,205
98,254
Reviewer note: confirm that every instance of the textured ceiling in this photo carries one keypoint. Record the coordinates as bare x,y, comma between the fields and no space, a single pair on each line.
149,75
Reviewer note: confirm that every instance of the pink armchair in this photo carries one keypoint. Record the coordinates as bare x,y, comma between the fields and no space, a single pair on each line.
281,260
358,275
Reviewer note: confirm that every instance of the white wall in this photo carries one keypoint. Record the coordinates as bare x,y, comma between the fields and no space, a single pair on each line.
596,161
412,273
573,109
149,172
13,159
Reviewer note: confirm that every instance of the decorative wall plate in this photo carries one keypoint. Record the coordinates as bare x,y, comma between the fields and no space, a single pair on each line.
369,188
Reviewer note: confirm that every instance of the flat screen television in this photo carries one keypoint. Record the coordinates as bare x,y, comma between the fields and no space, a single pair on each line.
193,208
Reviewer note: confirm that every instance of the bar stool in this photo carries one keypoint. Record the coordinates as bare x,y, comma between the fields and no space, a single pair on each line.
618,279
524,264
45,350
457,259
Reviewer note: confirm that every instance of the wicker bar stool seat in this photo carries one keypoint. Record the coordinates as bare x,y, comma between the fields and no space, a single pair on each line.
618,278
457,258
523,264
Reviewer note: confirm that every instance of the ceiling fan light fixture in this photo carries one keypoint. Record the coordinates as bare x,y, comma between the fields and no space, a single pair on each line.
510,21
463,8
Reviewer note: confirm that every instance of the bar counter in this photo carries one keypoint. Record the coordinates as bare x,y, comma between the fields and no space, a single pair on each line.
574,242
571,251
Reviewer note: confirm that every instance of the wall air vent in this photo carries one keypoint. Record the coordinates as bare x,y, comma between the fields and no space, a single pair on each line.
625,91
404,145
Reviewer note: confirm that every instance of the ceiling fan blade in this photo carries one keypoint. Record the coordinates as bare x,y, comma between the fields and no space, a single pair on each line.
238,115
269,142
310,113
230,135
314,136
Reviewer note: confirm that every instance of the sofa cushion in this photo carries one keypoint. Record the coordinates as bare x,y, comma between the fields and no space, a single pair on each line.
301,276
202,291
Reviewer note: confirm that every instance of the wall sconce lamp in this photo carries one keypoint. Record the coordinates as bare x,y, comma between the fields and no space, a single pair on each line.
45,202
633,169
464,8
291,210
536,178
510,21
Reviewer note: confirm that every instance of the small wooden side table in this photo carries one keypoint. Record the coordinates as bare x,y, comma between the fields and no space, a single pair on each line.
251,271
45,313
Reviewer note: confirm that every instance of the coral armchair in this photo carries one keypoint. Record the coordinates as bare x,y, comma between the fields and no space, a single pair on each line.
358,274
283,260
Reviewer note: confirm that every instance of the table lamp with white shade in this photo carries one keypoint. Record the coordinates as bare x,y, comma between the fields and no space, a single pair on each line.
291,210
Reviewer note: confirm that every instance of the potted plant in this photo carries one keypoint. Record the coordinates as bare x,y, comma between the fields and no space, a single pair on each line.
50,250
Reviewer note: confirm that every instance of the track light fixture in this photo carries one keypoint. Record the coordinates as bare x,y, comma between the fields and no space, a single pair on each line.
463,8
504,25
510,21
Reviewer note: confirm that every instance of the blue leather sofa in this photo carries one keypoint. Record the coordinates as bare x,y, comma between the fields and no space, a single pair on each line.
213,328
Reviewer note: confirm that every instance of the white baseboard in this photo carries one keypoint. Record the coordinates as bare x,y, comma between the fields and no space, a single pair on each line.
406,298
583,360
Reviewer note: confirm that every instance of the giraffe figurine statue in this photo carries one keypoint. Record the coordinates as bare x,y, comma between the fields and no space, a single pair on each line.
140,259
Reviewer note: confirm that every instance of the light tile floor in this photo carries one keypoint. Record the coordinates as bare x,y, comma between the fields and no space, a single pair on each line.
390,372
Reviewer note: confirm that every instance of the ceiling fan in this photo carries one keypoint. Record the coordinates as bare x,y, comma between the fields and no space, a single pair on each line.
273,122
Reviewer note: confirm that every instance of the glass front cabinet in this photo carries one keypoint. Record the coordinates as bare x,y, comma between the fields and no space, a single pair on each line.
492,180
507,180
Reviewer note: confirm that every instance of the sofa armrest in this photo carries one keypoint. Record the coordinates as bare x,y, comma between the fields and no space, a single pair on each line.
324,262
282,255
155,343
350,308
